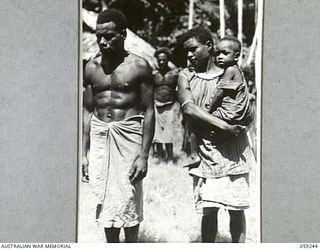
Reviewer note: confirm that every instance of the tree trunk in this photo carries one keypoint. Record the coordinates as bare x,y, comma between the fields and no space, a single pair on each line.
256,4
258,57
190,23
222,19
253,46
240,14
258,81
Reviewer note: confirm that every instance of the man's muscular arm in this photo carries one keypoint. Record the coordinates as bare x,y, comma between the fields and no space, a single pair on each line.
189,108
86,117
85,143
140,166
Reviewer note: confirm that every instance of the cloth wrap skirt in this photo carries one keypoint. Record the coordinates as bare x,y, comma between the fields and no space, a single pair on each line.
114,147
166,115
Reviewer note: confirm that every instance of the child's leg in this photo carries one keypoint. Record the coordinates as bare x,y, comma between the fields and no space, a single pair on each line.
112,234
209,224
131,234
237,226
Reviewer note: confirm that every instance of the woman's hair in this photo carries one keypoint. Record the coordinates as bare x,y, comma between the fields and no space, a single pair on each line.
201,34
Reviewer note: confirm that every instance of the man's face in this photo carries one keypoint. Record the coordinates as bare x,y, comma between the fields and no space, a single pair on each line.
225,54
162,59
197,53
109,39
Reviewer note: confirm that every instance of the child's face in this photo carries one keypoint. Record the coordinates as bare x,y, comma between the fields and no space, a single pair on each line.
225,54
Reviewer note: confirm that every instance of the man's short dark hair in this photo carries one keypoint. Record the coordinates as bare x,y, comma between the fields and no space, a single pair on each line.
201,34
113,15
163,50
234,40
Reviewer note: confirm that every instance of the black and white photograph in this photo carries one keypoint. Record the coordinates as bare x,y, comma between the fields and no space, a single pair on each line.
170,121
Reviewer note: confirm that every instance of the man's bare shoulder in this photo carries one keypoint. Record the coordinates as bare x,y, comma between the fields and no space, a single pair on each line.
139,61
92,65
140,64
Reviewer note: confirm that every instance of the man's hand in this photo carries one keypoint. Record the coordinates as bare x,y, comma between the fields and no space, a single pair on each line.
139,170
85,173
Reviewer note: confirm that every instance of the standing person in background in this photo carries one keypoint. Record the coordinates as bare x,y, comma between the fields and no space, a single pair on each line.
166,110
118,90
230,157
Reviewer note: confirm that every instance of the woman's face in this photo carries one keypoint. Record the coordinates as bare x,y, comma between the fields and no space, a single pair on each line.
198,54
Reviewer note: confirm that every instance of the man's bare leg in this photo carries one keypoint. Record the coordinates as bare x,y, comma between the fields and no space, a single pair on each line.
209,225
112,234
154,150
237,226
159,151
131,234
169,149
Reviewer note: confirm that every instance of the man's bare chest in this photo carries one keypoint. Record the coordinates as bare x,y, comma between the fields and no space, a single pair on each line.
166,79
123,79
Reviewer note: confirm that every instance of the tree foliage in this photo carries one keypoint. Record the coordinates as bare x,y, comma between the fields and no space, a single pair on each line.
162,22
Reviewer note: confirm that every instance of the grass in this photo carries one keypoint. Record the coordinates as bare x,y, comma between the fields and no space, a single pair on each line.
169,210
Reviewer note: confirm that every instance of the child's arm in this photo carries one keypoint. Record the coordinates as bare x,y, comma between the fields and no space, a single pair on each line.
190,109
231,74
216,100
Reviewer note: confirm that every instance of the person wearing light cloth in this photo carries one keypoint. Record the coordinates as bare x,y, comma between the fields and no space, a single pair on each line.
118,90
166,107
221,178
231,103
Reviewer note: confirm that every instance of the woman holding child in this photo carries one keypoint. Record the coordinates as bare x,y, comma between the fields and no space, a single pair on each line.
214,83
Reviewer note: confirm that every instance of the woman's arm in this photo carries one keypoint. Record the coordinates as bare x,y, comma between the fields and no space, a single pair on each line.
190,109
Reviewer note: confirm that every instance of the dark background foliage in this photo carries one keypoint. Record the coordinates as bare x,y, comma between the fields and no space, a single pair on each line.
162,22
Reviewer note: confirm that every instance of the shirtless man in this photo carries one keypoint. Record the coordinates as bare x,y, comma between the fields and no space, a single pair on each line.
118,89
164,95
